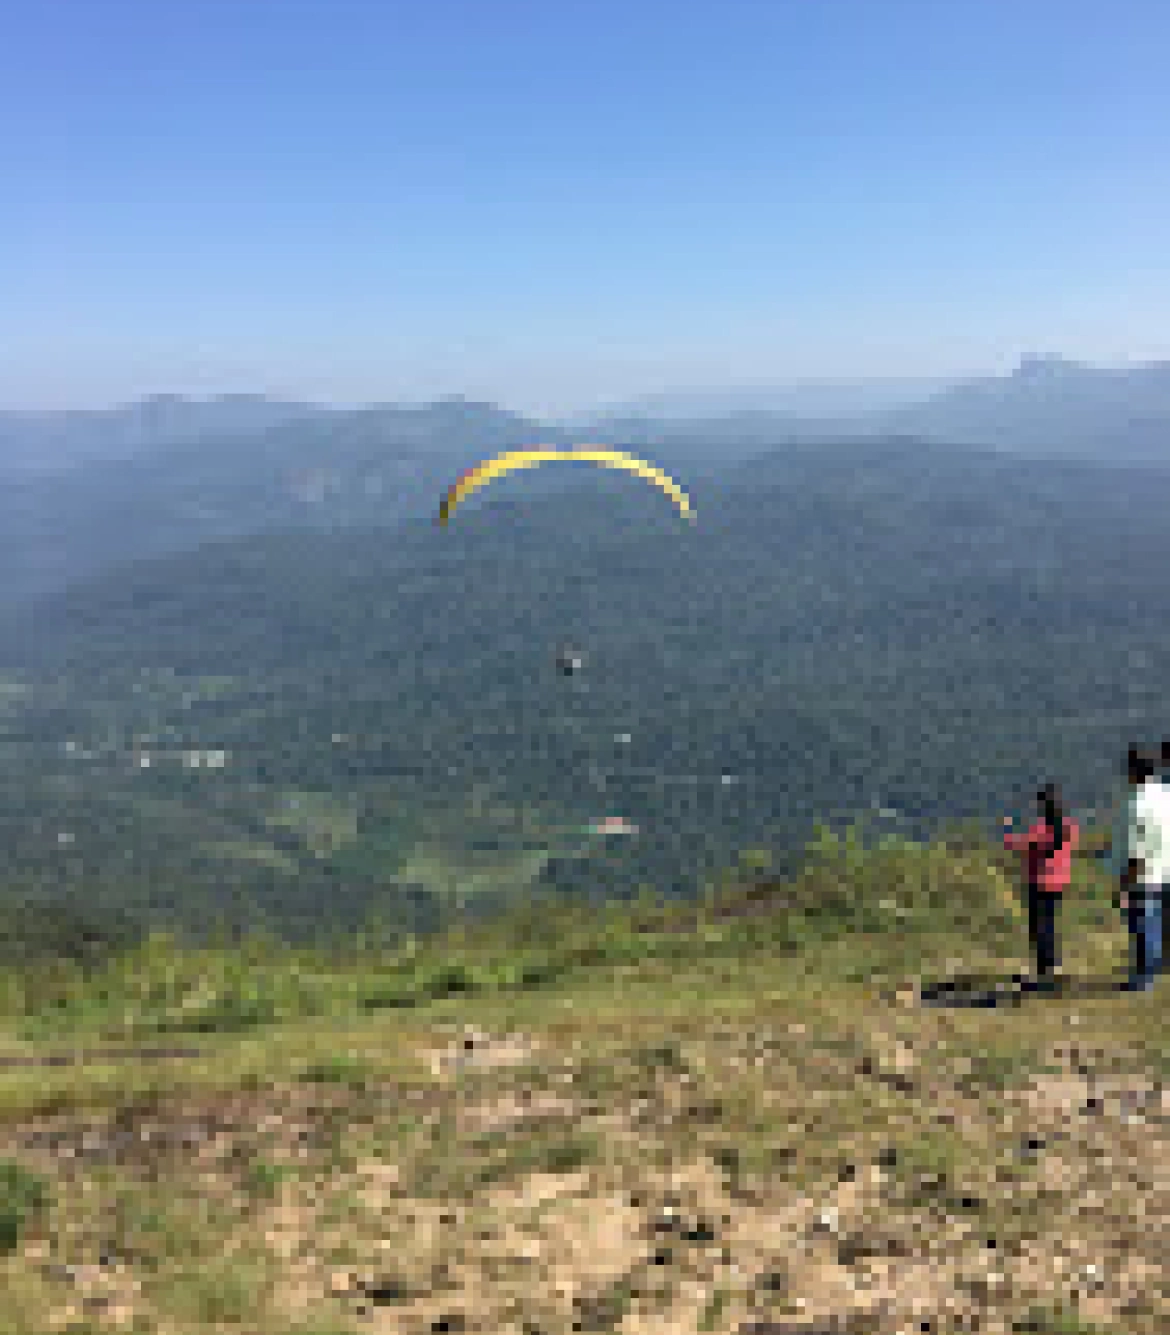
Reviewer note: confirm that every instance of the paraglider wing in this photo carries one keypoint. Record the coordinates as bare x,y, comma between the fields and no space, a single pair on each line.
475,478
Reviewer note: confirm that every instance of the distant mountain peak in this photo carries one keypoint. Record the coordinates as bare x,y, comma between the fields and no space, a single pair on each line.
461,404
1036,367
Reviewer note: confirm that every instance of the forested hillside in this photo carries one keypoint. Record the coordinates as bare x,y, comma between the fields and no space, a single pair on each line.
867,626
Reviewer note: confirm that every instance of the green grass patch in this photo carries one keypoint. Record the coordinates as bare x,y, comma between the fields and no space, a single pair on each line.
338,1069
264,1180
220,1293
449,1167
22,1195
873,911
1054,1321
713,1311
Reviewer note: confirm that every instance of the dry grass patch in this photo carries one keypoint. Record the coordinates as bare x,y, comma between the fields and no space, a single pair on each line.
743,1142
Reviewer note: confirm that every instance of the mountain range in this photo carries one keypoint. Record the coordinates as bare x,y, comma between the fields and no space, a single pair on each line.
1052,407
1047,407
318,470
91,491
49,441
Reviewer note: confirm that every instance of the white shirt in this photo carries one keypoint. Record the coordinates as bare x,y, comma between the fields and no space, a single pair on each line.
1145,833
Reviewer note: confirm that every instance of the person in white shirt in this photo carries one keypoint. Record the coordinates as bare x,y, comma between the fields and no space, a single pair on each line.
1141,860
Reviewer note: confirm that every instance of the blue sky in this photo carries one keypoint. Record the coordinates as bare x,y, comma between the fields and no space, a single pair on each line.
553,202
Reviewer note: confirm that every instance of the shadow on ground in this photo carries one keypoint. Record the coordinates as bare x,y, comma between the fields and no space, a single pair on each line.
96,1058
990,990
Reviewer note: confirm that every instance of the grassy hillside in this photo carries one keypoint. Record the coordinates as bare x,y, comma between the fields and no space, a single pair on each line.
756,1113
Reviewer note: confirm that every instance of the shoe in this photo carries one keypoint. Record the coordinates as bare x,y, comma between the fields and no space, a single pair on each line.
1137,985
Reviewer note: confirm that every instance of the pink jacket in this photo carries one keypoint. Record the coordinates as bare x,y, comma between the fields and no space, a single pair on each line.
1046,870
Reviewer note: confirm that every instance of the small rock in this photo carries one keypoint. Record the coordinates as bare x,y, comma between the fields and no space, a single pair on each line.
826,1221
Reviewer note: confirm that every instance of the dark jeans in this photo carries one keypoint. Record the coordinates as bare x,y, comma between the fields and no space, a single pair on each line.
1144,917
1042,908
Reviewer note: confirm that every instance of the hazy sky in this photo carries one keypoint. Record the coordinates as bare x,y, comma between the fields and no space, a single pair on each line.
551,202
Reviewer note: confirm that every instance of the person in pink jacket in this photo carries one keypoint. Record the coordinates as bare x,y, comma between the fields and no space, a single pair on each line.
1047,847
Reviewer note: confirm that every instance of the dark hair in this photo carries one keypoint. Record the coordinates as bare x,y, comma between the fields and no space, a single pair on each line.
1052,804
1140,764
1166,752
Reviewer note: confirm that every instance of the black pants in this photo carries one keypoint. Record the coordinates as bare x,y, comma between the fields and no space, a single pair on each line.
1042,909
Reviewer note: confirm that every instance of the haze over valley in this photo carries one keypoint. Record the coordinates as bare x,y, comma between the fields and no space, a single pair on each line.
877,626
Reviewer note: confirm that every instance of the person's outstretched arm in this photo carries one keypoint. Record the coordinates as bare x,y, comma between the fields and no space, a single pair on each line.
1016,841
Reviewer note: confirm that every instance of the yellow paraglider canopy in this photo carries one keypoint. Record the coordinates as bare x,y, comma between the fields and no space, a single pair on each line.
505,463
